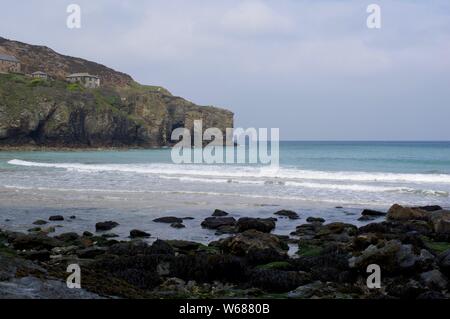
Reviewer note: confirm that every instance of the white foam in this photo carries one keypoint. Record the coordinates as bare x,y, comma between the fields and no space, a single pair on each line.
239,172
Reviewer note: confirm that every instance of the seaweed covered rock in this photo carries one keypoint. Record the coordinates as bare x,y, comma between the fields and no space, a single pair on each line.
265,225
400,213
254,246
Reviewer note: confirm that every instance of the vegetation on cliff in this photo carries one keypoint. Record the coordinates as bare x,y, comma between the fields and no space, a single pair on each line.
121,112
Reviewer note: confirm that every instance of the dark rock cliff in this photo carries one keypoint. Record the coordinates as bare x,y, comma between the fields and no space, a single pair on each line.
120,113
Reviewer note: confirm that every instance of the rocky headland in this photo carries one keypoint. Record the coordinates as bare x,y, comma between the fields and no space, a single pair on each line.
37,112
410,244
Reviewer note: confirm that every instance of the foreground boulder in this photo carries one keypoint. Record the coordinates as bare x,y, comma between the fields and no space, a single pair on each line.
400,213
441,221
434,279
265,225
393,257
255,246
278,280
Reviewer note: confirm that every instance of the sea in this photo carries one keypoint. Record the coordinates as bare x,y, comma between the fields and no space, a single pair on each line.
333,180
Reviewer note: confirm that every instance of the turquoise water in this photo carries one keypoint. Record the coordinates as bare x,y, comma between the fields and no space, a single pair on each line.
358,173
134,187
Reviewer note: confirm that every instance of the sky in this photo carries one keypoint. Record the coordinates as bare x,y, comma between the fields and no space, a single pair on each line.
311,68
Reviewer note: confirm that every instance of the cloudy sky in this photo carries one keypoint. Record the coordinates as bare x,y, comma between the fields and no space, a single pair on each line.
310,67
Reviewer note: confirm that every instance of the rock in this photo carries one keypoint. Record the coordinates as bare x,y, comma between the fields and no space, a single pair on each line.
135,233
183,245
400,213
90,253
40,222
273,280
66,250
307,231
104,226
314,289
230,229
219,213
87,234
68,237
177,225
393,257
35,229
444,261
431,295
434,279
73,217
255,246
366,218
168,220
110,235
441,221
385,256
36,288
315,220
161,247
56,218
288,213
337,228
265,225
217,222
430,208
130,248
405,290
35,242
370,212
37,255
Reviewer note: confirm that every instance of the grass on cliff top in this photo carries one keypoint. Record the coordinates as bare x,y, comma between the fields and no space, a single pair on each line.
140,88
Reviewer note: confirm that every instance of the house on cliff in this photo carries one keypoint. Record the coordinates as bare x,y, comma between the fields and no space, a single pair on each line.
85,79
39,75
9,64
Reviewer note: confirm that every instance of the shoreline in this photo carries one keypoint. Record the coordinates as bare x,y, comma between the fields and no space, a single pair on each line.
247,260
31,148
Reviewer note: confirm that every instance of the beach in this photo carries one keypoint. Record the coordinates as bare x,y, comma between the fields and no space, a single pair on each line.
329,206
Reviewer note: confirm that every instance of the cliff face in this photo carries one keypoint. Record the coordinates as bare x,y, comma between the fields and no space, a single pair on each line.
120,113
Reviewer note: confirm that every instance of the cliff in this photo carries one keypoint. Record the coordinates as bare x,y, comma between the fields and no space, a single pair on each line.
119,113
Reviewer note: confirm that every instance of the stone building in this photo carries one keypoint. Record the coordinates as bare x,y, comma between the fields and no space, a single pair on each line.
85,79
39,75
9,64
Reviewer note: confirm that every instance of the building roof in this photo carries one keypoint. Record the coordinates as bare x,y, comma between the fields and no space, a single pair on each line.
39,73
10,58
76,75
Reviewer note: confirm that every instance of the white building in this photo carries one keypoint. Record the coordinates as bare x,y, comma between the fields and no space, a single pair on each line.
85,79
39,75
